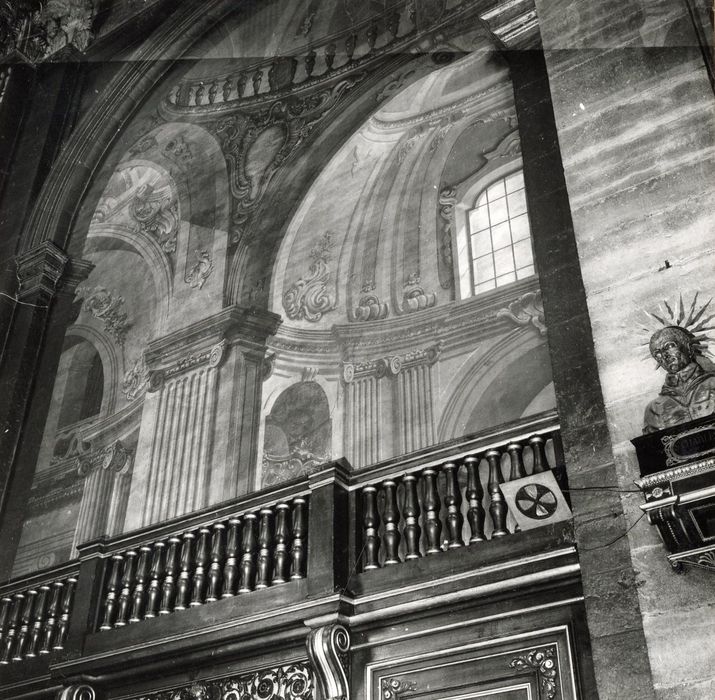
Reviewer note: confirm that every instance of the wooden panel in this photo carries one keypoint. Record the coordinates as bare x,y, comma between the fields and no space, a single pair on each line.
535,666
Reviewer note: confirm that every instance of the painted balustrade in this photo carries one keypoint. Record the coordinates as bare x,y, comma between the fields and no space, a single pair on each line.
334,54
232,556
425,510
34,619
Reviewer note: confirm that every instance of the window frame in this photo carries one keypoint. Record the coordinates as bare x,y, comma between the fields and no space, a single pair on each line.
466,197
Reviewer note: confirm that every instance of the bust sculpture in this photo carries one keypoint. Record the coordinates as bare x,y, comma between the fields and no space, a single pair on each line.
689,389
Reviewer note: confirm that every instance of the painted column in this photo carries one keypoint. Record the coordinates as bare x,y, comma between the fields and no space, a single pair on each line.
99,470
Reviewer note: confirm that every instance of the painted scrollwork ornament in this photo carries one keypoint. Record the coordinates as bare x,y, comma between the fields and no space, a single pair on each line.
108,307
200,270
135,379
309,298
157,216
527,310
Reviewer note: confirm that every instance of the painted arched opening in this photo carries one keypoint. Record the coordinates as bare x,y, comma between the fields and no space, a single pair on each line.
297,433
84,385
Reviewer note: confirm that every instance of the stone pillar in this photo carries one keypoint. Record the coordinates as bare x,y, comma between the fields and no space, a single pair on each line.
197,440
43,310
618,647
633,106
100,470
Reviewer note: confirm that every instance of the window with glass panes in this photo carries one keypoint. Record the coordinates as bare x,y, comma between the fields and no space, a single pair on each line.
499,235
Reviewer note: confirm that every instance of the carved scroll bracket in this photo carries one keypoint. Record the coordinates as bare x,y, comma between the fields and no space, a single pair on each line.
328,650
391,365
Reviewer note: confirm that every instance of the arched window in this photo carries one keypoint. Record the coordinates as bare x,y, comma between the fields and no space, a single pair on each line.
499,235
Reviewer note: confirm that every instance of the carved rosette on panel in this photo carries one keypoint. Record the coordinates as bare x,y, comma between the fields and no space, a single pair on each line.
294,682
527,310
309,298
544,662
393,688
328,649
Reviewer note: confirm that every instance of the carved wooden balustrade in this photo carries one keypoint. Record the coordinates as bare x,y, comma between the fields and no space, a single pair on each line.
411,511
35,614
221,558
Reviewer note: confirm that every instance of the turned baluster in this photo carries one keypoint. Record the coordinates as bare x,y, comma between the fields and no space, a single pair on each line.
168,588
226,90
474,494
391,517
199,94
372,33
5,605
282,537
411,512
153,598
453,501
23,634
113,584
300,530
497,505
432,523
256,79
310,62
249,545
540,462
183,587
39,620
214,588
241,84
265,542
130,560
202,559
53,611
330,50
213,91
350,42
143,565
64,622
13,628
393,24
517,461
371,523
230,570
